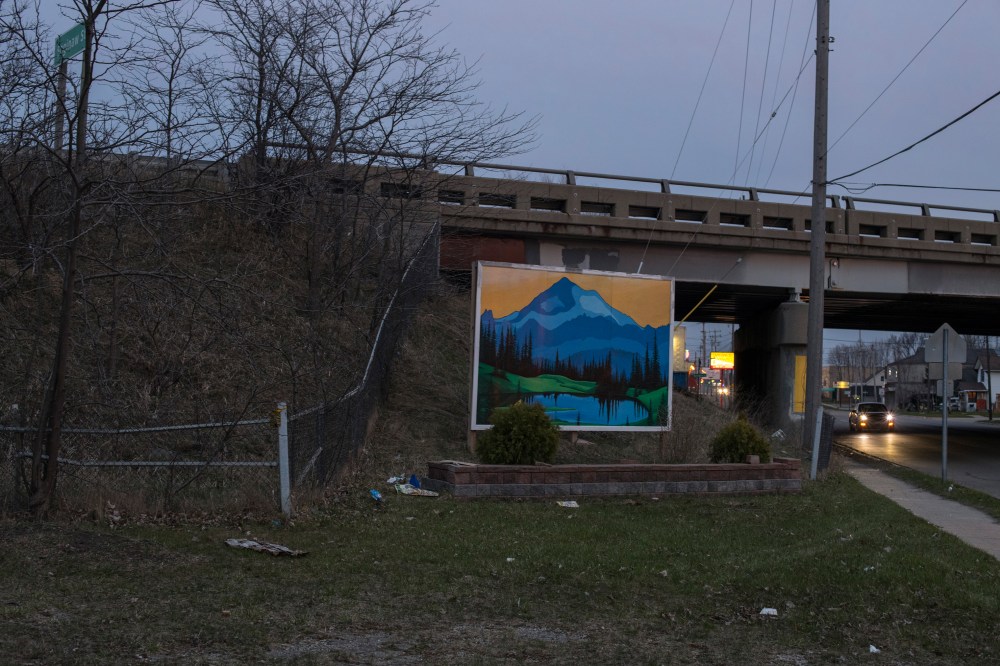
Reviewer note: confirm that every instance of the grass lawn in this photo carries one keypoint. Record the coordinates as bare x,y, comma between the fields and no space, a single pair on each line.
441,581
681,580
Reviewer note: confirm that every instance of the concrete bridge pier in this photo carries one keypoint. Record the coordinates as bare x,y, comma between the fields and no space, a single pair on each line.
770,364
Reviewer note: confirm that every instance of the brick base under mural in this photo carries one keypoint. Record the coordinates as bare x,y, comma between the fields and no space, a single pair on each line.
463,479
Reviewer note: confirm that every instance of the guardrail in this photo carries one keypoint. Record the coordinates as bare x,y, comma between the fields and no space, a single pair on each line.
852,221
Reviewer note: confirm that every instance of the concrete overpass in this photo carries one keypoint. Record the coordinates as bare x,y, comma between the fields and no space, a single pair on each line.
741,255
890,265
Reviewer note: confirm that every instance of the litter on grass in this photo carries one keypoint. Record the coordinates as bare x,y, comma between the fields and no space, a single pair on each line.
569,504
873,650
376,495
769,612
264,547
409,489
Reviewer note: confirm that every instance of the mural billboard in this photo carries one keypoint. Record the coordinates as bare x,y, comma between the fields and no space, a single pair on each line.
593,348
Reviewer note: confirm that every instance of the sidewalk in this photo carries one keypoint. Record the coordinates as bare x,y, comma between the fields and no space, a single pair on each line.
970,525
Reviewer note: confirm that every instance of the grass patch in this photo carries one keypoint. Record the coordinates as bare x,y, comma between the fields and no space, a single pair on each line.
973,498
417,580
449,581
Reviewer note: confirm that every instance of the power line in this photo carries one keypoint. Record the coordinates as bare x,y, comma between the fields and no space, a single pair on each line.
743,95
884,90
701,92
788,118
861,188
895,78
732,178
763,81
777,83
917,143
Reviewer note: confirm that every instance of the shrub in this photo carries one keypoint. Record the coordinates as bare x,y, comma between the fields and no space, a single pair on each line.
521,435
738,440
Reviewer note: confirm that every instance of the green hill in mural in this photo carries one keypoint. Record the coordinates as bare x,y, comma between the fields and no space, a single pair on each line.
570,401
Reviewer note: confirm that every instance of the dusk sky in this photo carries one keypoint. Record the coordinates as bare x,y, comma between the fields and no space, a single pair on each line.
631,88
615,86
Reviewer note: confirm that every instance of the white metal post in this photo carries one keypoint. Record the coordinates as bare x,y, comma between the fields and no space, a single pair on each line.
283,472
814,466
945,394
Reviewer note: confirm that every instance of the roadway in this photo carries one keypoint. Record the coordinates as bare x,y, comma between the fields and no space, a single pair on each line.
973,447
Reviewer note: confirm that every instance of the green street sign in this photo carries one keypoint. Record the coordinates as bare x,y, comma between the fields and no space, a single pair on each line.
70,43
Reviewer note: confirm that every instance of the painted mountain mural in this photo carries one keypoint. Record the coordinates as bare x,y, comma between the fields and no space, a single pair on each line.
586,362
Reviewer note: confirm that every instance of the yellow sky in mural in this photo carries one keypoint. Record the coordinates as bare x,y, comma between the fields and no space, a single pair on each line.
505,289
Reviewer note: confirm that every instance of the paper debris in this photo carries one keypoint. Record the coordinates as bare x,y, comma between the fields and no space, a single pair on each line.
769,612
569,504
264,547
409,489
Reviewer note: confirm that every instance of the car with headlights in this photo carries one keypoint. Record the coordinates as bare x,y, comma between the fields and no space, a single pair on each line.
870,416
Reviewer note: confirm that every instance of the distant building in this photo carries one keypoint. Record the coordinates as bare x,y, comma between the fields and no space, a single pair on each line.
987,369
908,384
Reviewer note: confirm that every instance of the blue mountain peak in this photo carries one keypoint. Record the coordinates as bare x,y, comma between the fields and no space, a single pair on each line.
563,301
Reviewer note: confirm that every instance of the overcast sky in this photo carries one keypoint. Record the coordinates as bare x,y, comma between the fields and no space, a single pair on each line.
615,87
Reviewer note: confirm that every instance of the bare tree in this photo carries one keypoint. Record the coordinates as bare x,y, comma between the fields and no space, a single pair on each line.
904,345
336,93
136,277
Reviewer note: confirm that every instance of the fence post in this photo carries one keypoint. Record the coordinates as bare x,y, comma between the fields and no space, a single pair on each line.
283,472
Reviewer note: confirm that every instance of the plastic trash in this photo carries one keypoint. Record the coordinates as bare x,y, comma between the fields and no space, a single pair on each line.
873,650
408,489
376,495
569,504
414,481
769,612
393,480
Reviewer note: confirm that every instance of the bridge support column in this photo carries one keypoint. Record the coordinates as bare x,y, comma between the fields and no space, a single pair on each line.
770,365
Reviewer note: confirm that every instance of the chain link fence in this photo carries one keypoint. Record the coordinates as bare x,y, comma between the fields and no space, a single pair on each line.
216,466
323,439
225,465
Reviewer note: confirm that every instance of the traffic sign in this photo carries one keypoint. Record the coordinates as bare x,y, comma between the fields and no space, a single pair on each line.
935,347
70,43
944,346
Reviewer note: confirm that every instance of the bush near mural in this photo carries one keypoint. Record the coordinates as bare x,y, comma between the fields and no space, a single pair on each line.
592,348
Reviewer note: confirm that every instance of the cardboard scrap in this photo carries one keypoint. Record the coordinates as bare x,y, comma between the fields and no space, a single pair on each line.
264,547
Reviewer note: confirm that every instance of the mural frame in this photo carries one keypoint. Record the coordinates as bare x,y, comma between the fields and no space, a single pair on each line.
618,302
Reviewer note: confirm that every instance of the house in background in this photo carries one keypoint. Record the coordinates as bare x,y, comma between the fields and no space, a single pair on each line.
908,384
987,369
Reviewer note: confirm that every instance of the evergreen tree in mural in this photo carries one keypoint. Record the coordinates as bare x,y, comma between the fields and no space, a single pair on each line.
555,335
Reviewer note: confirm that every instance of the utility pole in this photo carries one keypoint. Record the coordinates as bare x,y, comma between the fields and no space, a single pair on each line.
704,353
817,253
